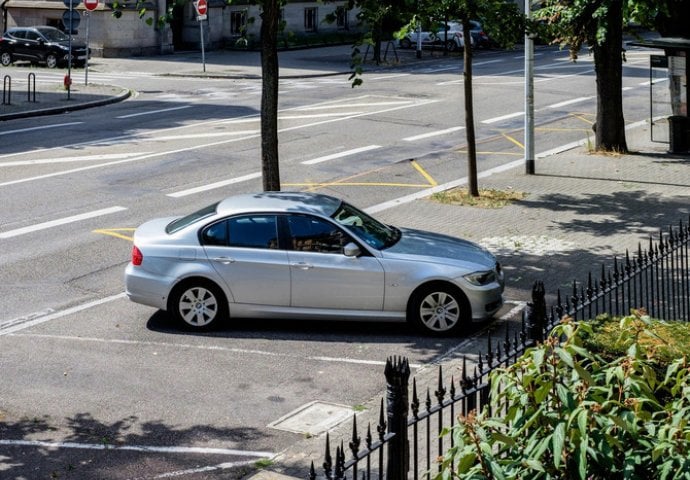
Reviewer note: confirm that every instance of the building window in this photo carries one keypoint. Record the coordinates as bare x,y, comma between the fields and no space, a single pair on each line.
238,22
310,19
341,20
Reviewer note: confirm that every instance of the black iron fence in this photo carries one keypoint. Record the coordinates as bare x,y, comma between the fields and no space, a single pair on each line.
656,278
406,440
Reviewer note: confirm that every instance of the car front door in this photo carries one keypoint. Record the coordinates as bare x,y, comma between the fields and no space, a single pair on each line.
244,251
322,276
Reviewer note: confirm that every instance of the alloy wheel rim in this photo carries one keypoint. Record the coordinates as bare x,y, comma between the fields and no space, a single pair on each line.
198,307
439,311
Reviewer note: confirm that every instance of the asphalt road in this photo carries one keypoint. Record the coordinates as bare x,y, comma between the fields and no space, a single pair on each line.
84,369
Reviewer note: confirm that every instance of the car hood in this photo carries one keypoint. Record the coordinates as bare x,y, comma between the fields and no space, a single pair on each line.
438,248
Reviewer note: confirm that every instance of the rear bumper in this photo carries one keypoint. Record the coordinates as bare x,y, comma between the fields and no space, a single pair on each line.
140,287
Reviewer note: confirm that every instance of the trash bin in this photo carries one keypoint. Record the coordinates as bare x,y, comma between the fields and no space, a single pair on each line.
679,133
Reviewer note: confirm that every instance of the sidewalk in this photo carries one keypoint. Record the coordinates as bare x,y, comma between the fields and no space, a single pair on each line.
581,210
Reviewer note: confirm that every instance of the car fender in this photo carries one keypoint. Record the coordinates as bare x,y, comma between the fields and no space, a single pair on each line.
200,268
401,281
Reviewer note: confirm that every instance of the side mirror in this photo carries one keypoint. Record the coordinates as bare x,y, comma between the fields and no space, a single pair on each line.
352,250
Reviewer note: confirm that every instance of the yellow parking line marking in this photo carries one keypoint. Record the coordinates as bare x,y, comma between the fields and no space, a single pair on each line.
428,177
113,232
508,137
513,154
355,184
549,129
581,117
310,186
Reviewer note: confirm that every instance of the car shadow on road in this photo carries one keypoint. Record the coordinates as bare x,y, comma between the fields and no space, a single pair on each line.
315,331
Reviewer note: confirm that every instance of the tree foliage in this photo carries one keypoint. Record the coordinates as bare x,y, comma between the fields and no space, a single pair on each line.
564,412
599,25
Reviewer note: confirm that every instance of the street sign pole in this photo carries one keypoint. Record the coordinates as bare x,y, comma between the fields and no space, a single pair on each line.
86,63
203,54
201,7
90,6
529,97
69,54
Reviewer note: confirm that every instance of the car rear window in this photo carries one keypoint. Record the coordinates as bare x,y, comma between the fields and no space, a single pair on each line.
187,220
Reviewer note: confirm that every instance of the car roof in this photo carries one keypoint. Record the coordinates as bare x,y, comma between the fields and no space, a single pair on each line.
279,202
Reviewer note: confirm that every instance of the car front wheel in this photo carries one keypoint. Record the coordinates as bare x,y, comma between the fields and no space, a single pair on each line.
51,61
5,59
198,305
438,309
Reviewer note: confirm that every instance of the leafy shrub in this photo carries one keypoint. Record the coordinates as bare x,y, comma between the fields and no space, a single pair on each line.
565,412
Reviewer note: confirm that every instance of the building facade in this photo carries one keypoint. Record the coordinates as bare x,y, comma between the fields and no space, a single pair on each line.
224,25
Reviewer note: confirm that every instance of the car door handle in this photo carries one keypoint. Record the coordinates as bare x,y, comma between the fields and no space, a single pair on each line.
303,265
224,260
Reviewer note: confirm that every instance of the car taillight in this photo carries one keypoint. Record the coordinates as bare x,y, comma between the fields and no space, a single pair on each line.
137,256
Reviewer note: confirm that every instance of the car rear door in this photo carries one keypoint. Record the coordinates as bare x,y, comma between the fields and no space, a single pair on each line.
244,252
322,276
32,46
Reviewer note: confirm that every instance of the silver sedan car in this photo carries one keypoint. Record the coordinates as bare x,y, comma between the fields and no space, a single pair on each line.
293,255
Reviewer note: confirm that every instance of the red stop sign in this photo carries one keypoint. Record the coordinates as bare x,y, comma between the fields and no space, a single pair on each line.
201,7
91,4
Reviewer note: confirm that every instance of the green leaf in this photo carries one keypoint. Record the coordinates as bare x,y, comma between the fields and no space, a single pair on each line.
565,356
534,465
558,441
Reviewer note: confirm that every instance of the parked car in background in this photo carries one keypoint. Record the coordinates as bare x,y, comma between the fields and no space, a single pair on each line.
43,44
479,38
448,35
297,255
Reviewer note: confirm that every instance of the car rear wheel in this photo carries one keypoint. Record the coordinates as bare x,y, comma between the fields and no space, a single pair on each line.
198,305
405,43
451,46
439,309
5,59
51,61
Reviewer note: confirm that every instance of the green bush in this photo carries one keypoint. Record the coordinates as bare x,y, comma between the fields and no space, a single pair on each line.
564,411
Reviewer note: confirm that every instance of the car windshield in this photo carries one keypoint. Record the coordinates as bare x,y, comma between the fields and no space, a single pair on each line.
370,230
53,35
187,220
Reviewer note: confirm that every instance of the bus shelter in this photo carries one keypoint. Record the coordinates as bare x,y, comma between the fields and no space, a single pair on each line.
675,60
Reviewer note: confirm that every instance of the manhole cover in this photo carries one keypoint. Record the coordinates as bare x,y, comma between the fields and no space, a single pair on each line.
313,418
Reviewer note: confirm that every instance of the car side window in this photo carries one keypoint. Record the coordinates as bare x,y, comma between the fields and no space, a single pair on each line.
33,36
253,231
216,235
18,34
246,231
311,234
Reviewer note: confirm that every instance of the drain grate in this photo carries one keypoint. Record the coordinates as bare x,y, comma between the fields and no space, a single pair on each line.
313,418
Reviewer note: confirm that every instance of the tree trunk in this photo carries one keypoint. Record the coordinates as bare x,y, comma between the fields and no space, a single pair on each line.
269,96
608,65
472,186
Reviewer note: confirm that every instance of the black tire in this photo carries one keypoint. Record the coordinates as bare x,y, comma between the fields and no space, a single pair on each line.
5,59
451,46
405,43
198,305
439,309
51,60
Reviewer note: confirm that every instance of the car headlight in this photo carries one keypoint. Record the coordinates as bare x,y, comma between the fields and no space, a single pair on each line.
481,278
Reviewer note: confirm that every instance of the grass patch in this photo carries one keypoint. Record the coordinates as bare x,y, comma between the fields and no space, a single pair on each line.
488,198
664,341
263,463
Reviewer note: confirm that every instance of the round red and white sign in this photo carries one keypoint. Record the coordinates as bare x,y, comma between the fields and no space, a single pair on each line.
201,7
91,4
